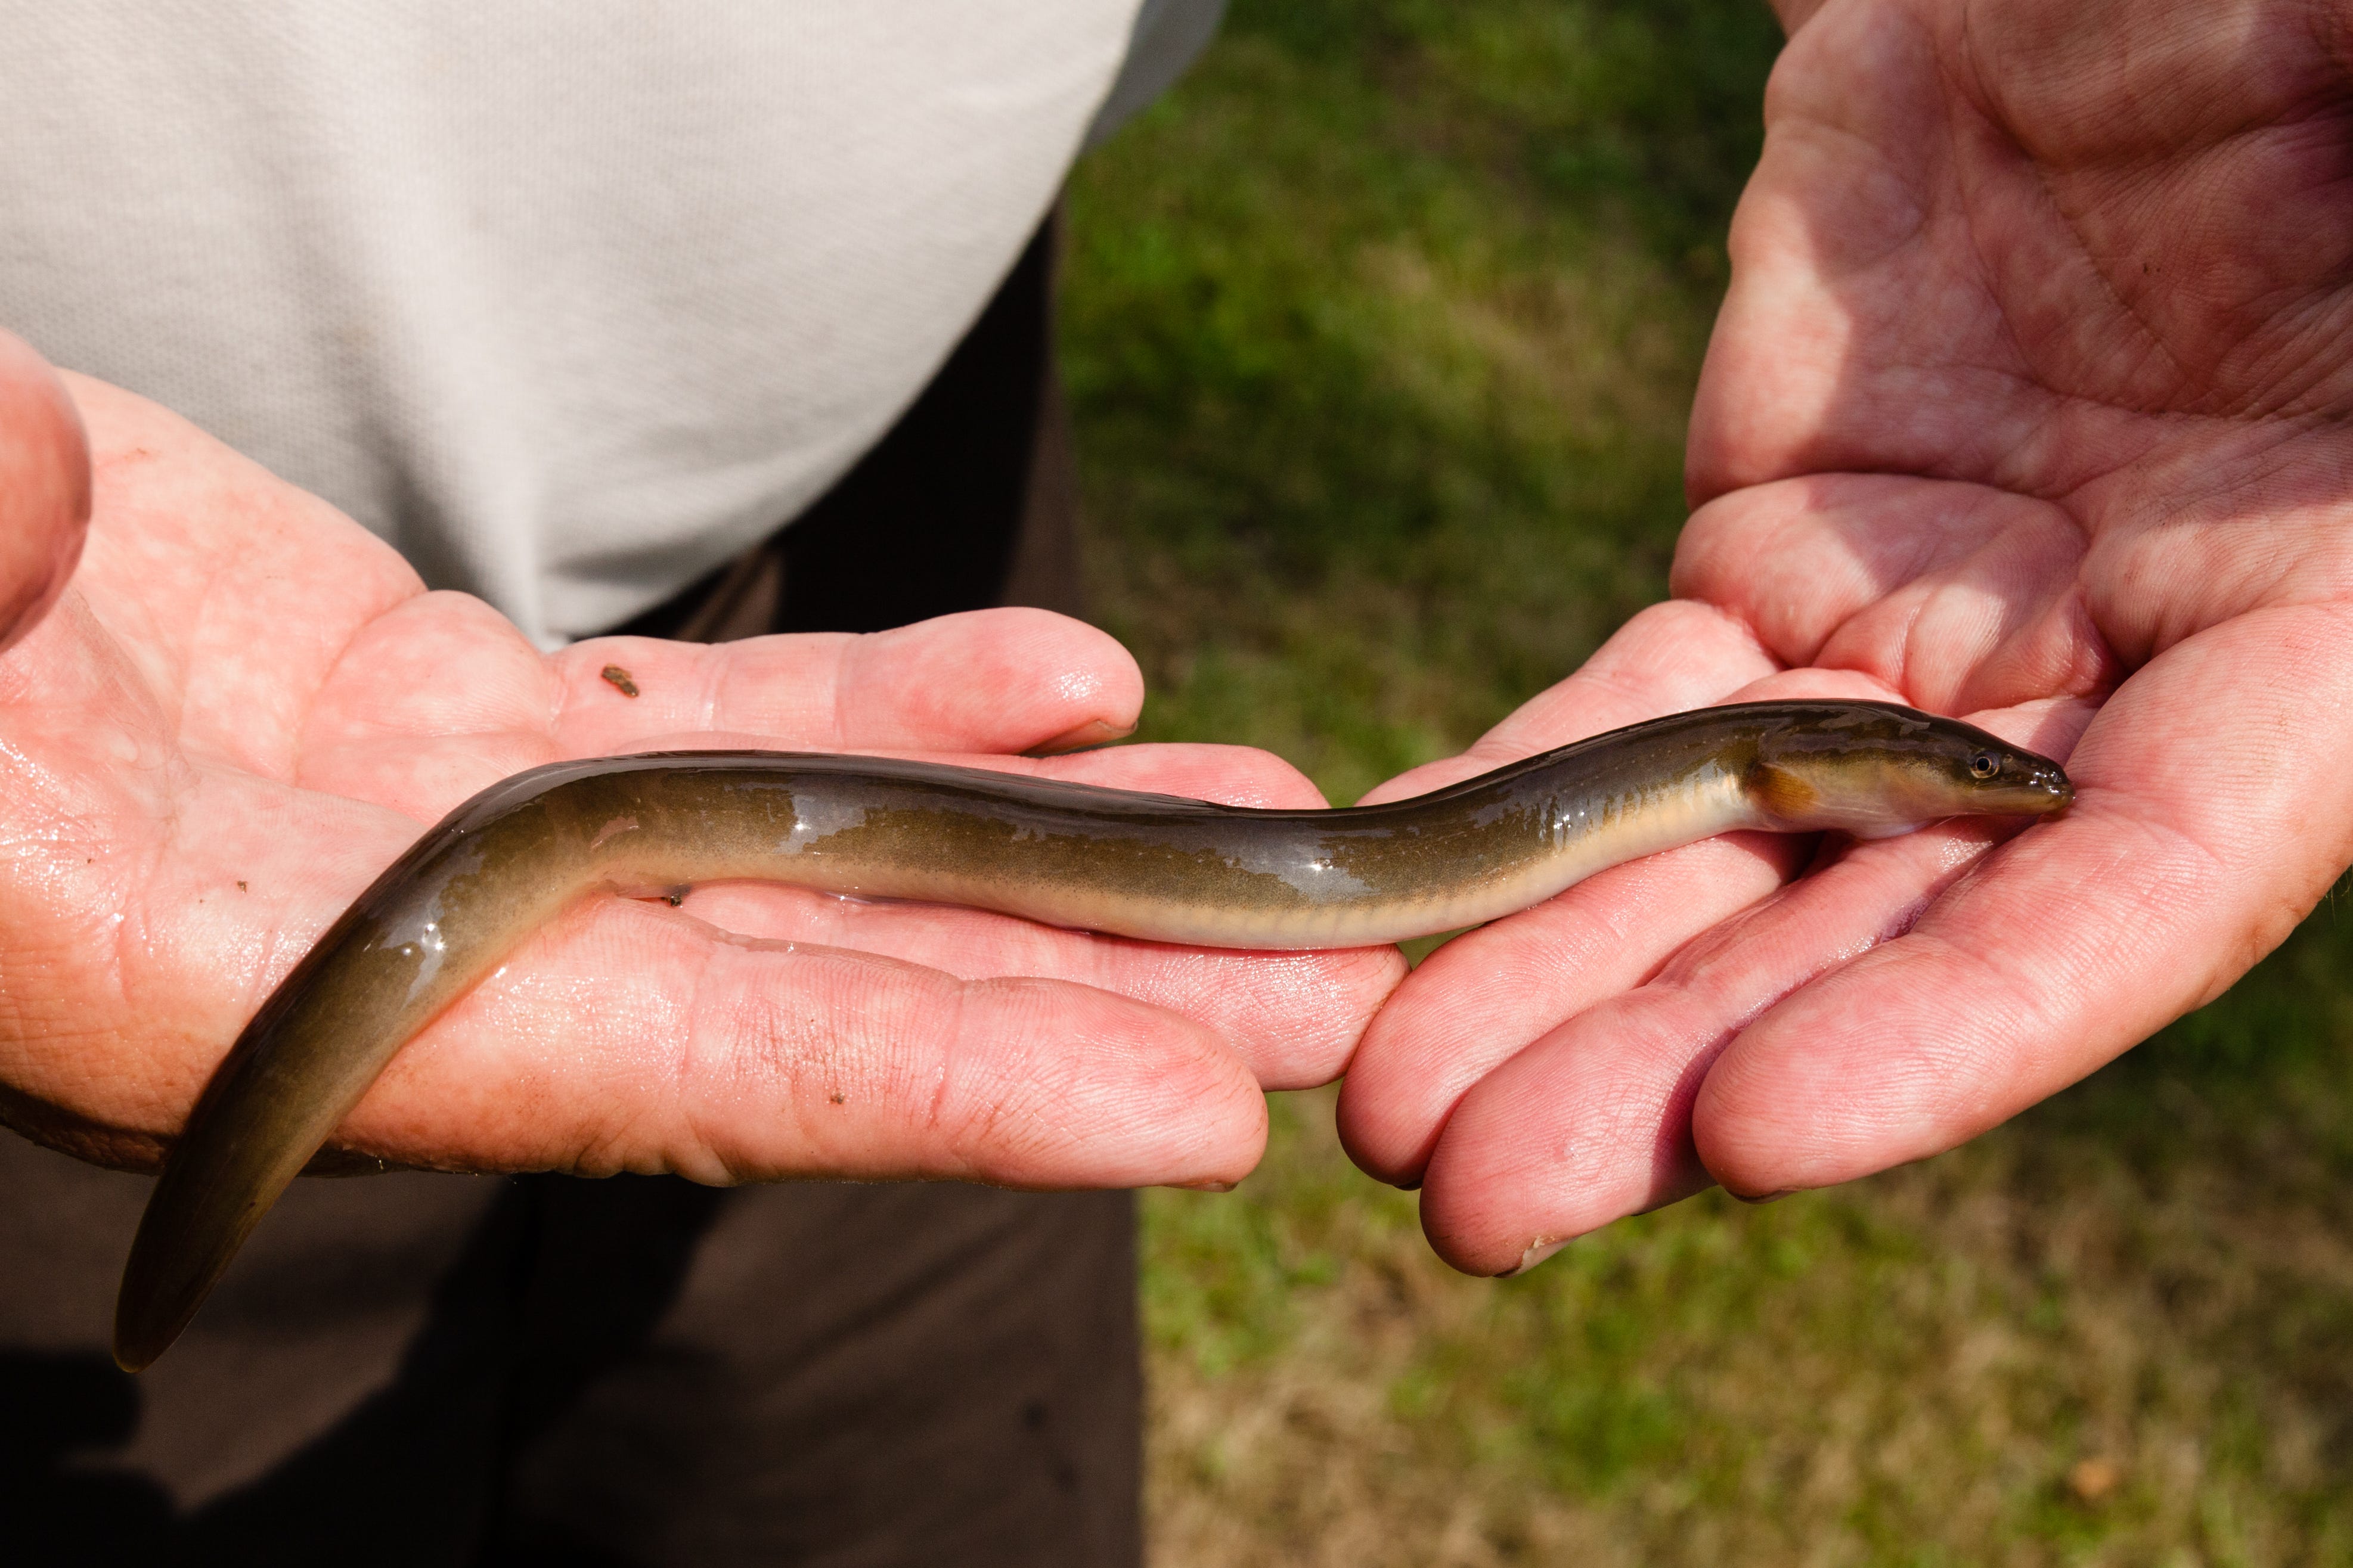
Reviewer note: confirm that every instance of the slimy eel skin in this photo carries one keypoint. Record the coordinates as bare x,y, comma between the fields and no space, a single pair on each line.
448,910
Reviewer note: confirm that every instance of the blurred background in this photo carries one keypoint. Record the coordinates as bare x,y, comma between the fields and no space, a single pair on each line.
1380,333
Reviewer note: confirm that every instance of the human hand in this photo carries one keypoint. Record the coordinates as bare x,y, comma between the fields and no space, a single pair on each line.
44,489
245,707
2028,404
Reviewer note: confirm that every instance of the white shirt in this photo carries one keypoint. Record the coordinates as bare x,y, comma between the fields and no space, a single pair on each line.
567,299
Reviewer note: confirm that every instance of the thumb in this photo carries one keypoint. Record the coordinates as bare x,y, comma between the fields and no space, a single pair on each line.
44,488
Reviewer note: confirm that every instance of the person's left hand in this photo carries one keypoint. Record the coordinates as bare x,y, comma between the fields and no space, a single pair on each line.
2031,397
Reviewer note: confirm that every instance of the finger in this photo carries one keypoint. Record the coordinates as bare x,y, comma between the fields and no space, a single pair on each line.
441,696
1670,657
1294,1017
1004,680
45,489
2210,816
274,887
1960,597
1455,1020
1592,1122
629,1037
1484,998
622,1028
1229,775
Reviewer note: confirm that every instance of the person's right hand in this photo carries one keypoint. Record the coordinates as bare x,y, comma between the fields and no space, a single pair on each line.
246,706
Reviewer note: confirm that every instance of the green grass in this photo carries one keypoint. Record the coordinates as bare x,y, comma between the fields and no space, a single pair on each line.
1380,333
1380,372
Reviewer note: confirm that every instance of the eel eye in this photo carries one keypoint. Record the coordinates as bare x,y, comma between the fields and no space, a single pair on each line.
1985,765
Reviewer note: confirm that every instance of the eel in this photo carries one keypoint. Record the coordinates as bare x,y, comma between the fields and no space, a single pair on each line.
467,892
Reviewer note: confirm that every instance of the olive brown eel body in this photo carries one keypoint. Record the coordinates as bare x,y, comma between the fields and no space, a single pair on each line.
1148,865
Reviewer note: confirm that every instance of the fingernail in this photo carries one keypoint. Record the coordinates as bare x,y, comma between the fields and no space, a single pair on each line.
1759,1199
1538,1250
1206,1186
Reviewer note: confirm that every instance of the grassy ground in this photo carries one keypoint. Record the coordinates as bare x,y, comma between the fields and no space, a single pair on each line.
1380,333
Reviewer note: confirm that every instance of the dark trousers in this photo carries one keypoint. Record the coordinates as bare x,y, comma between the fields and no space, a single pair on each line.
425,1369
